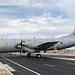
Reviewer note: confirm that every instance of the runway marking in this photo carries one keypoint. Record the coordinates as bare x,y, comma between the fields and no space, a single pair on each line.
5,70
22,66
9,68
71,63
23,59
49,65
63,58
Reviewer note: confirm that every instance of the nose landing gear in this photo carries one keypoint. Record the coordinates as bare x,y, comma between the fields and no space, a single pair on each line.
29,55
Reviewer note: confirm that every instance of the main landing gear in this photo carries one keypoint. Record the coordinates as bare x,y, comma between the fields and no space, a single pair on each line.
37,55
29,55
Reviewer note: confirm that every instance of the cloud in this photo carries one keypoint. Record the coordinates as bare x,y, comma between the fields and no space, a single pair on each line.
35,18
66,6
6,10
13,3
38,26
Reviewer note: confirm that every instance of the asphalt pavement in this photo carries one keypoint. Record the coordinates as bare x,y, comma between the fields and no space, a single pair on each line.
46,65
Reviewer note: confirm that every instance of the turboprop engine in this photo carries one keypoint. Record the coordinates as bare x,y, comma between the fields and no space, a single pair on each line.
29,50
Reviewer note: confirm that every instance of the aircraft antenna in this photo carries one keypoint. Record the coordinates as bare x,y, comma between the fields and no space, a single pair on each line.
21,36
21,45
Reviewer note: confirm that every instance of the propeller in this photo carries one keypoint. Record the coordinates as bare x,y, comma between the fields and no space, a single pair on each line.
18,46
21,44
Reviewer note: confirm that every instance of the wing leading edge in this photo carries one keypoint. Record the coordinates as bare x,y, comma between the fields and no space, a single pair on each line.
43,46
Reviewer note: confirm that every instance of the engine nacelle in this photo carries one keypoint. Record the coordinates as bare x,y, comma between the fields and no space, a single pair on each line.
29,50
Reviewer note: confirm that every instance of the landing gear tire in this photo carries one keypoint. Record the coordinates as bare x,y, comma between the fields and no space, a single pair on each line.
29,55
38,55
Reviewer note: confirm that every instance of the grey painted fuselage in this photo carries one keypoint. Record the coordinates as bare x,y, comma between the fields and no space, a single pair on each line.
8,45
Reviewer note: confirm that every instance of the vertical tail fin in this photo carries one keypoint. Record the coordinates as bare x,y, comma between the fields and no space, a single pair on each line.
72,34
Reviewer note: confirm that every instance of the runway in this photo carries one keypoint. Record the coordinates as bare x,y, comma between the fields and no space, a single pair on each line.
47,65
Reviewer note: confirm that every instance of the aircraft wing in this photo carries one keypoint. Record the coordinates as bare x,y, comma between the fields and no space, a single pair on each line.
43,46
46,45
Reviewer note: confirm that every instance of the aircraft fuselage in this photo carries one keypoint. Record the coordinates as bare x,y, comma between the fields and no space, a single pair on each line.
8,45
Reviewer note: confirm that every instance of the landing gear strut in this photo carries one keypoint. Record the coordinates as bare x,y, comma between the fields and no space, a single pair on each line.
29,55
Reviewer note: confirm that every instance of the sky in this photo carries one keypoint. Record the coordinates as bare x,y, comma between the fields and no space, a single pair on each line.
36,18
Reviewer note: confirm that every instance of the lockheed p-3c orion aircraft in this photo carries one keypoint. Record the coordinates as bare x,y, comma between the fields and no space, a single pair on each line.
37,44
